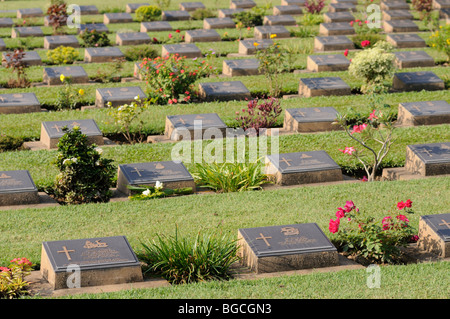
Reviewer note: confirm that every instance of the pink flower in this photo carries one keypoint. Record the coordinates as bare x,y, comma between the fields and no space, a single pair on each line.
334,225
401,205
351,23
348,150
340,213
359,128
414,238
387,222
402,218
372,115
170,36
365,43
4,269
408,203
349,206
346,52
364,179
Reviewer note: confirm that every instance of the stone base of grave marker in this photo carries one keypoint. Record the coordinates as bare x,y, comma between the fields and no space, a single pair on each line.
323,63
228,13
423,113
406,40
394,5
132,7
120,17
29,13
397,15
413,59
395,26
188,50
223,91
284,248
302,168
101,261
155,26
179,127
117,96
434,234
205,35
106,54
218,23
336,28
17,188
76,74
52,42
31,58
248,47
341,7
265,32
428,159
191,6
333,43
279,20
132,38
287,10
24,32
176,15
306,120
417,81
242,67
19,103
441,4
242,4
309,87
331,17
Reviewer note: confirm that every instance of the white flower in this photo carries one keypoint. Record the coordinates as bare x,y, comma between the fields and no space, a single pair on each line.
146,192
99,150
136,97
67,161
158,185
74,159
121,108
97,163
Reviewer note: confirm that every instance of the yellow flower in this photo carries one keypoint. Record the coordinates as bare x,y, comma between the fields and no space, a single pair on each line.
273,36
62,77
81,92
448,41
255,44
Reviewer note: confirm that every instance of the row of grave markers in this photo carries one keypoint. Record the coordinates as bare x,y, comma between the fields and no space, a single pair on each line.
422,160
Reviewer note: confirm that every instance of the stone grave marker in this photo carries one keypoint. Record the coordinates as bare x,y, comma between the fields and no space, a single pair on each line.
341,7
155,26
428,159
345,16
202,35
434,234
394,5
228,13
99,27
29,13
120,17
223,91
19,103
324,86
417,81
30,58
218,23
397,15
24,32
6,22
243,4
302,168
189,50
291,10
173,175
132,38
331,62
2,45
102,54
441,4
100,260
284,248
336,28
175,15
424,113
54,41
241,67
394,26
88,10
444,14
413,59
193,126
264,32
345,1
76,74
52,131
247,47
299,3
17,188
132,7
333,43
406,40
309,119
191,6
117,95
279,20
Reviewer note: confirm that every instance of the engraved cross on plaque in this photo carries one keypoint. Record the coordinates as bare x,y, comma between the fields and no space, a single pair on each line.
427,151
138,171
67,252
264,238
286,161
56,127
445,223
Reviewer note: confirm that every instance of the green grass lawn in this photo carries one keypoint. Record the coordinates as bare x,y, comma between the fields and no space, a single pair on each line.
22,232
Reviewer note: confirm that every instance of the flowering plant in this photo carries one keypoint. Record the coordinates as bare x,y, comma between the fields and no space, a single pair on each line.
12,278
259,115
157,191
171,78
376,241
440,40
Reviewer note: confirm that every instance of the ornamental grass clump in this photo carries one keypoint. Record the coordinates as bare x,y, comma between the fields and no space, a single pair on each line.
375,241
12,278
259,114
230,177
373,66
85,176
182,260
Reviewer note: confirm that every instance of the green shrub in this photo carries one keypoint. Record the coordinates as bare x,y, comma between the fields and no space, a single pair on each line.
373,66
9,143
183,260
85,177
250,18
62,55
200,14
93,38
148,13
230,177
139,52
440,40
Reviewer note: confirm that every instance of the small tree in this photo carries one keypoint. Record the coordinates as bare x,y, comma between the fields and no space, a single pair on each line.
374,137
15,62
259,115
314,6
85,177
57,16
424,7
